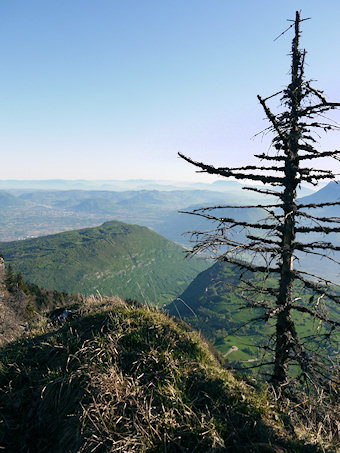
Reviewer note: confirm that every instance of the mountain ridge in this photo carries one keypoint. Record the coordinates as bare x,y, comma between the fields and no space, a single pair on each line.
113,259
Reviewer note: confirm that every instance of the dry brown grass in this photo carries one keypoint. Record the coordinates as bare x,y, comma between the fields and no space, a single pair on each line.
125,378
315,416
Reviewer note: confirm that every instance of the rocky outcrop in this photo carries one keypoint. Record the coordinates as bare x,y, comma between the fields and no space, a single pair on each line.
2,276
12,310
24,305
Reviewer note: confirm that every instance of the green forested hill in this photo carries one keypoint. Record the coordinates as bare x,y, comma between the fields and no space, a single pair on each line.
114,259
210,305
213,305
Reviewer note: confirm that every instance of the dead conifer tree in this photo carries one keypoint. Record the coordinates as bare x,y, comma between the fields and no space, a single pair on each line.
275,242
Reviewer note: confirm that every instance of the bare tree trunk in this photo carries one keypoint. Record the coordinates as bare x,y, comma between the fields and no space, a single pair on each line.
284,322
272,243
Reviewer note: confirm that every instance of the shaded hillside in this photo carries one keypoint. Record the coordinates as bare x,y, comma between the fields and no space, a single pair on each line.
114,259
9,201
178,226
21,304
13,310
213,304
125,378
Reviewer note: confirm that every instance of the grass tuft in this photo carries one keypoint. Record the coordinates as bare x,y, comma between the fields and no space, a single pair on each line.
121,377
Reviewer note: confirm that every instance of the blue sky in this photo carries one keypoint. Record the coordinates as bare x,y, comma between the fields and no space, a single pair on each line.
112,89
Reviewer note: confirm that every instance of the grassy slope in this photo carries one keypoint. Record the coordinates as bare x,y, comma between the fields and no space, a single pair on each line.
215,311
114,259
210,306
127,378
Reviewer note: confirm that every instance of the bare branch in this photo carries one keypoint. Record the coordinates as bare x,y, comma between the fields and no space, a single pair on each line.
229,172
320,229
318,219
273,120
318,155
318,205
249,266
317,288
266,157
264,191
316,245
233,222
319,107
211,208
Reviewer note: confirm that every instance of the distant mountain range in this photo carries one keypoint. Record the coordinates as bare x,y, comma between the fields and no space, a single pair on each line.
113,259
35,208
120,185
34,213
329,193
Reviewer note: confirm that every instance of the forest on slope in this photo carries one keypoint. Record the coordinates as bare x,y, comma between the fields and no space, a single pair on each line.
113,259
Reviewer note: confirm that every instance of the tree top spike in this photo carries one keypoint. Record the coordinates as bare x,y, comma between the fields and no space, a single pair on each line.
295,23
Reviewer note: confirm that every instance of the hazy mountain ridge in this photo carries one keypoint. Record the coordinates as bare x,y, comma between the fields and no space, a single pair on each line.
45,207
46,212
313,263
37,213
122,185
